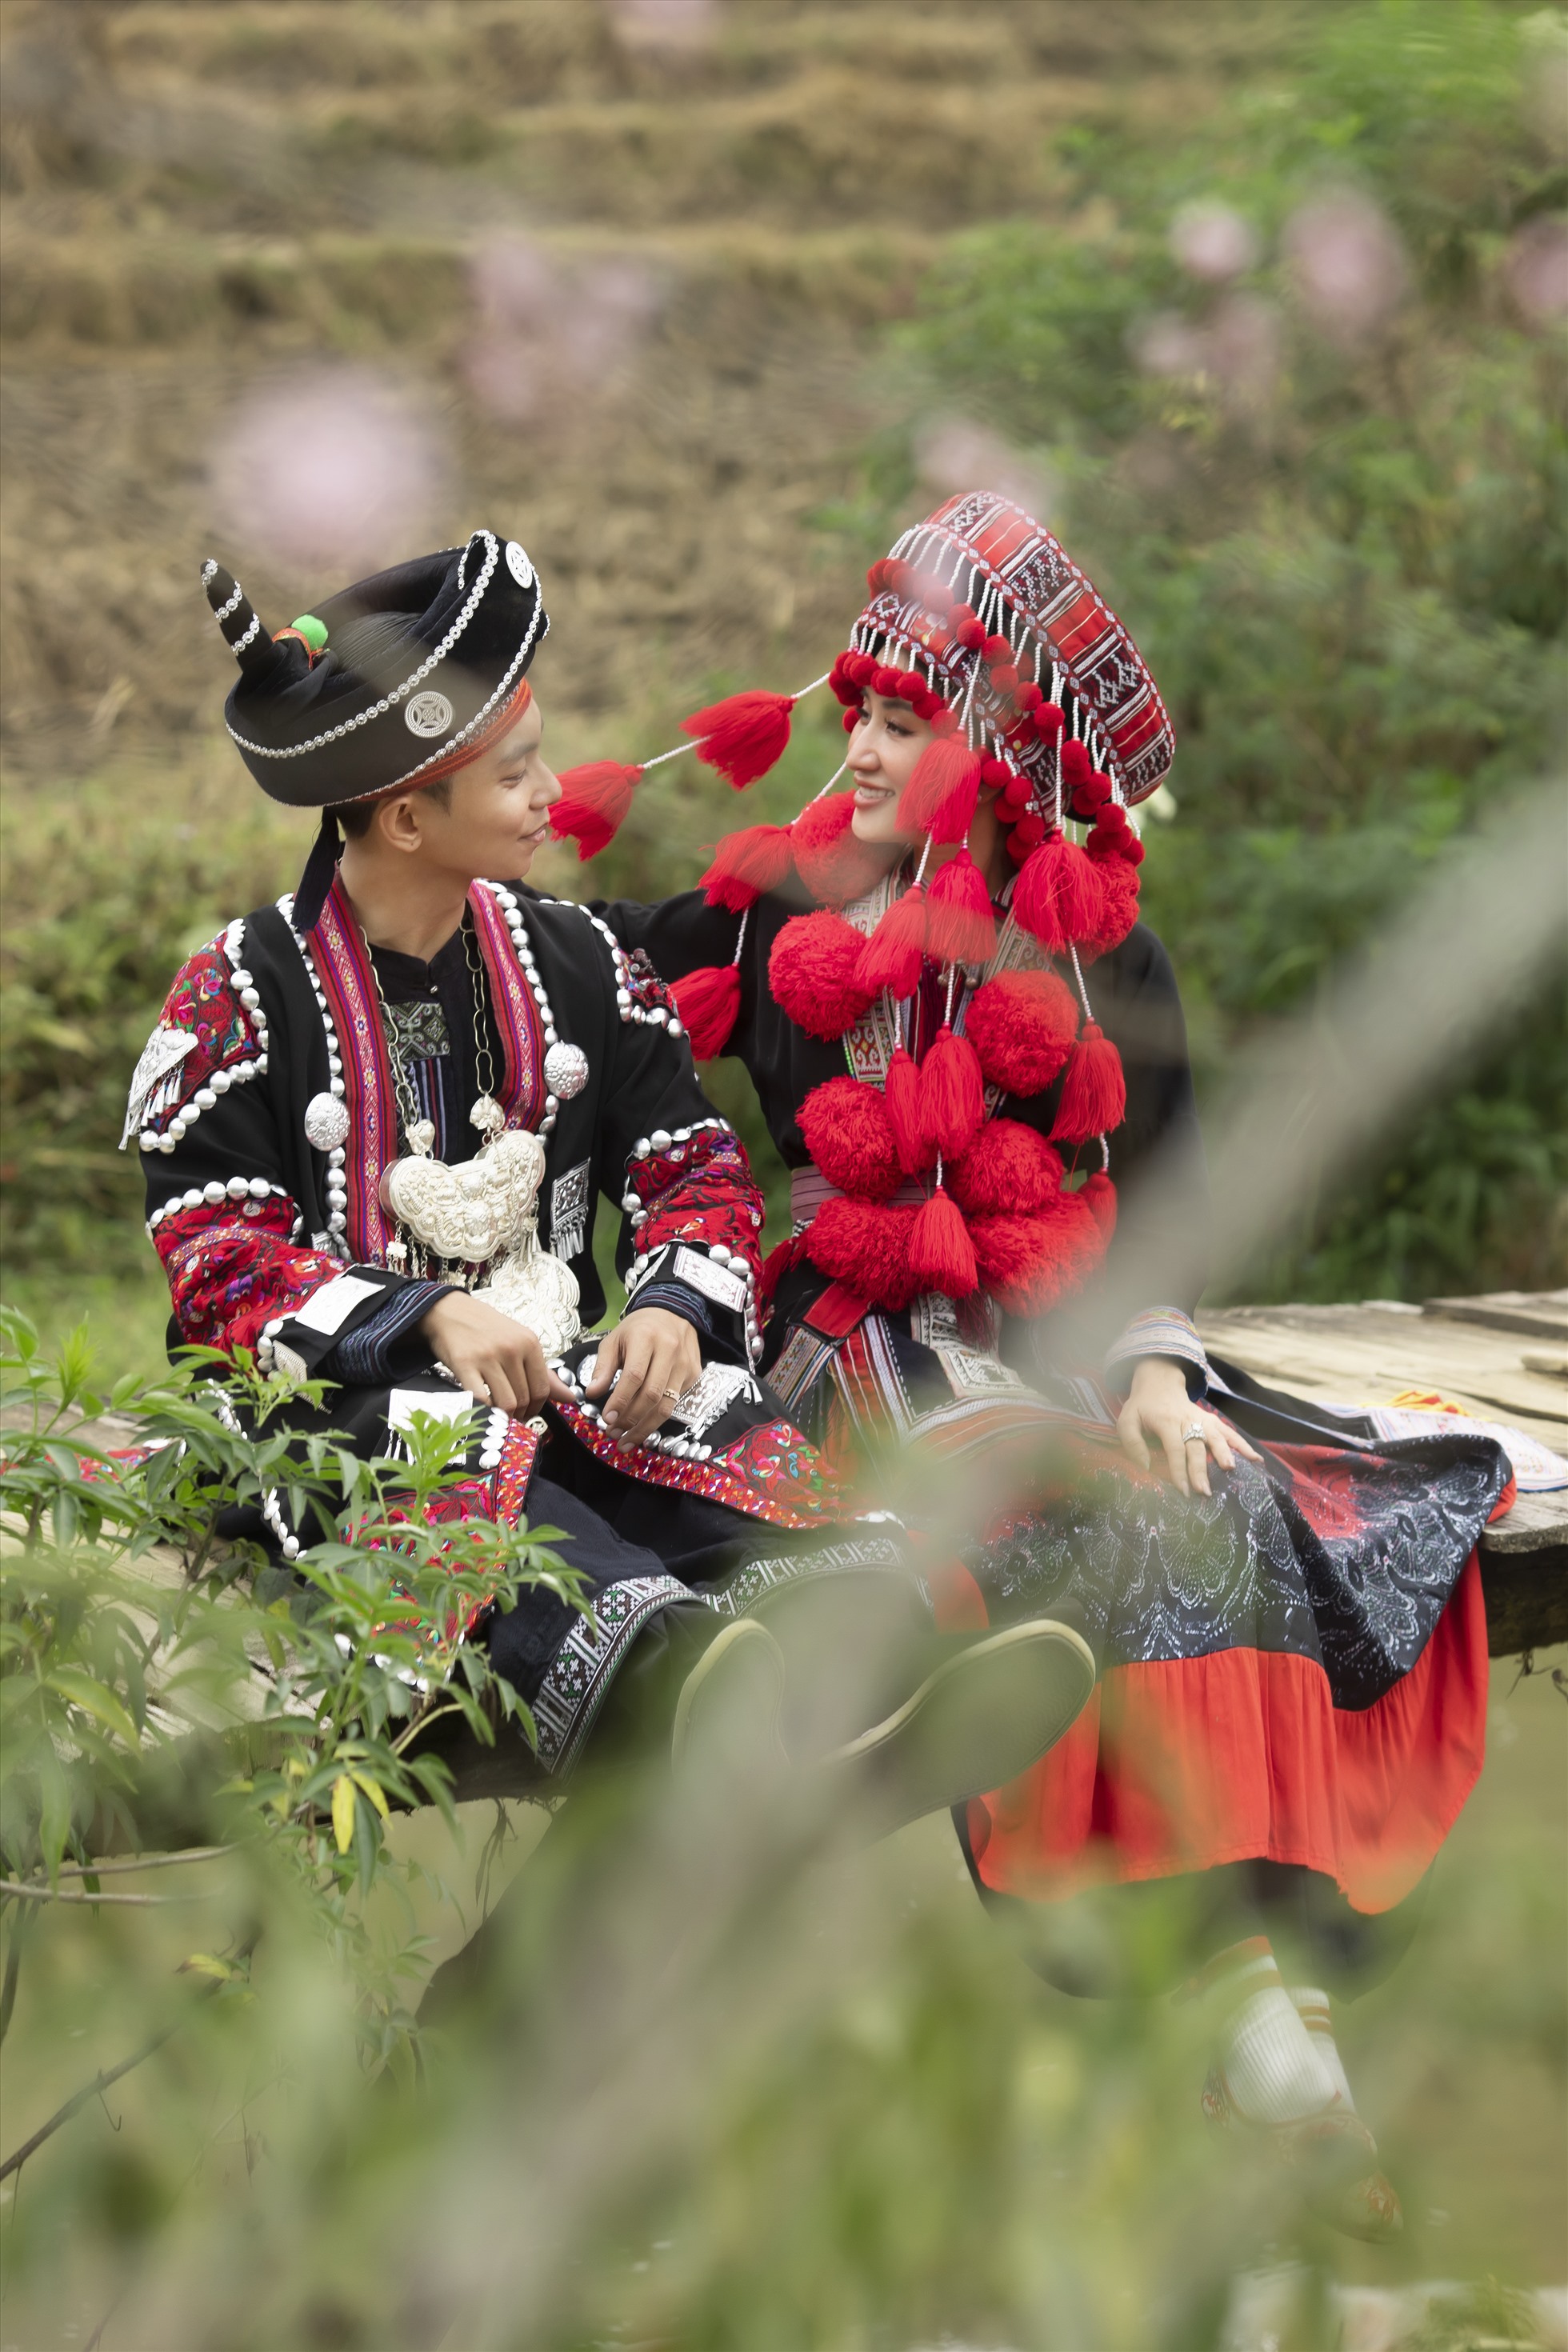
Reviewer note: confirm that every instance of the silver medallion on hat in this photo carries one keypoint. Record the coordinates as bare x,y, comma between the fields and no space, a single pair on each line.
427,714
518,564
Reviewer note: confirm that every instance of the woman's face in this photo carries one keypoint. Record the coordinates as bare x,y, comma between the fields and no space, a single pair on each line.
883,750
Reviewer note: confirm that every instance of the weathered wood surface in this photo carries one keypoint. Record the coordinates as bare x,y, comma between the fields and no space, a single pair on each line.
1480,1353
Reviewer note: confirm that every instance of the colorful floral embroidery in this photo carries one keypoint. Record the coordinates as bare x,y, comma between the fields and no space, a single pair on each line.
232,1269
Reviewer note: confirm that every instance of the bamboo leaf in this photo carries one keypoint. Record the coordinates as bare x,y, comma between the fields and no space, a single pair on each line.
343,1809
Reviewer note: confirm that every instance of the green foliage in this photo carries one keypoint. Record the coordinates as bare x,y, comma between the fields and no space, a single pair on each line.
151,1675
1342,544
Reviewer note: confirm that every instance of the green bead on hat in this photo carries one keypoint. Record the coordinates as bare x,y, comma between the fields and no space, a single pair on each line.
314,632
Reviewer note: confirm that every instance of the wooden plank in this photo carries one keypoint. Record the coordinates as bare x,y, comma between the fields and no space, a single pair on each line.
1539,1314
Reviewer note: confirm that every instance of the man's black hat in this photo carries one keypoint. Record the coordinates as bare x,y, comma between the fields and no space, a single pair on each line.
386,684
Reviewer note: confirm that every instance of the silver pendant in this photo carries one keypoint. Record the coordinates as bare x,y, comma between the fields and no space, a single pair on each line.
565,1071
326,1121
487,1116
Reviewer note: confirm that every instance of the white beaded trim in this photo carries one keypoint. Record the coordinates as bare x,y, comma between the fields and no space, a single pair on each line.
732,1262
213,1195
508,902
237,1074
337,1182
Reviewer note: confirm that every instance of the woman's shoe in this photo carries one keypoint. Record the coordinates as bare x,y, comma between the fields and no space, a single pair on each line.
1333,2151
983,1717
727,1715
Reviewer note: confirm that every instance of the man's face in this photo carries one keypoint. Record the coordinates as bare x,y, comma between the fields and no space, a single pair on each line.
498,814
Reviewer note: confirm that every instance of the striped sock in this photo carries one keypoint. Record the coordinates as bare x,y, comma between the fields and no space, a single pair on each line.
1269,2066
1311,2007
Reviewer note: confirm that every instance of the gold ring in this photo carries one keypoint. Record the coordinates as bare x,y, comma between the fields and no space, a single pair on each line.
674,1395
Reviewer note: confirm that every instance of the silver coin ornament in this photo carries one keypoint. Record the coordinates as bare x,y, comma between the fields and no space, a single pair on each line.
326,1121
565,1071
427,714
518,564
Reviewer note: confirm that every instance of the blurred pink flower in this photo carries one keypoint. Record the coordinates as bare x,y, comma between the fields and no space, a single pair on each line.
547,339
1537,268
1212,241
667,24
955,454
1168,344
337,471
1347,262
1235,350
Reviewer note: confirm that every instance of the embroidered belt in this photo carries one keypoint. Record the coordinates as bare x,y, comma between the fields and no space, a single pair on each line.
809,1188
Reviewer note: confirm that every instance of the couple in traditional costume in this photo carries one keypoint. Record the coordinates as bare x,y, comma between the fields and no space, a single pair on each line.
375,1134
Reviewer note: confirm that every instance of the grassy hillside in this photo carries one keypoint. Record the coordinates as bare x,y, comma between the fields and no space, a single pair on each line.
682,296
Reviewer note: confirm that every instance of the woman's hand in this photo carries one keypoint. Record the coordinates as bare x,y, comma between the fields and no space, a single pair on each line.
657,1356
496,1359
1159,1411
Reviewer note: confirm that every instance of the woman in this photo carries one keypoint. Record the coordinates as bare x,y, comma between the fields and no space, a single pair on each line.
971,1056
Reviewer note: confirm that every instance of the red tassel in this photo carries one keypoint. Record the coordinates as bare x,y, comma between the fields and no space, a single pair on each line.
849,1135
1028,1263
747,864
892,956
811,973
1057,896
1022,1025
707,1000
952,1102
961,928
902,1093
1094,1092
744,736
594,800
947,769
942,1255
1099,1195
832,864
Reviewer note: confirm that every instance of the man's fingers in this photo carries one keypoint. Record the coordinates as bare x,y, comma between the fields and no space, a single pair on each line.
605,1363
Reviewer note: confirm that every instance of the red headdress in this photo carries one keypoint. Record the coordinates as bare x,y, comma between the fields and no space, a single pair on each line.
1035,691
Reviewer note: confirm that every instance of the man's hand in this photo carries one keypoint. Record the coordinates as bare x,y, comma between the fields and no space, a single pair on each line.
1159,1411
657,1356
496,1359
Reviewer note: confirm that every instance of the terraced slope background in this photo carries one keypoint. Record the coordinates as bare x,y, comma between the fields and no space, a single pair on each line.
702,301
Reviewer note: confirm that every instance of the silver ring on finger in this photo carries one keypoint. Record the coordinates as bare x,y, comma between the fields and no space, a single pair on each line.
1194,1434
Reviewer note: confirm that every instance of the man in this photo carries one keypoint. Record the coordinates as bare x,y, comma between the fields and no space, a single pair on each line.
376,1119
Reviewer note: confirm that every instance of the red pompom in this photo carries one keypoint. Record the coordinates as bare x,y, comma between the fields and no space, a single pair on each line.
1094,1092
1029,697
1028,833
865,1245
912,686
857,669
941,1253
811,973
958,618
1008,1169
1075,767
832,864
952,1100
944,722
1118,907
1099,1196
707,1000
1095,792
1049,721
747,864
996,771
1028,1263
892,956
849,1135
994,650
1057,896
946,771
970,633
960,926
744,736
1004,678
902,1094
852,719
885,681
594,800
1022,1025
